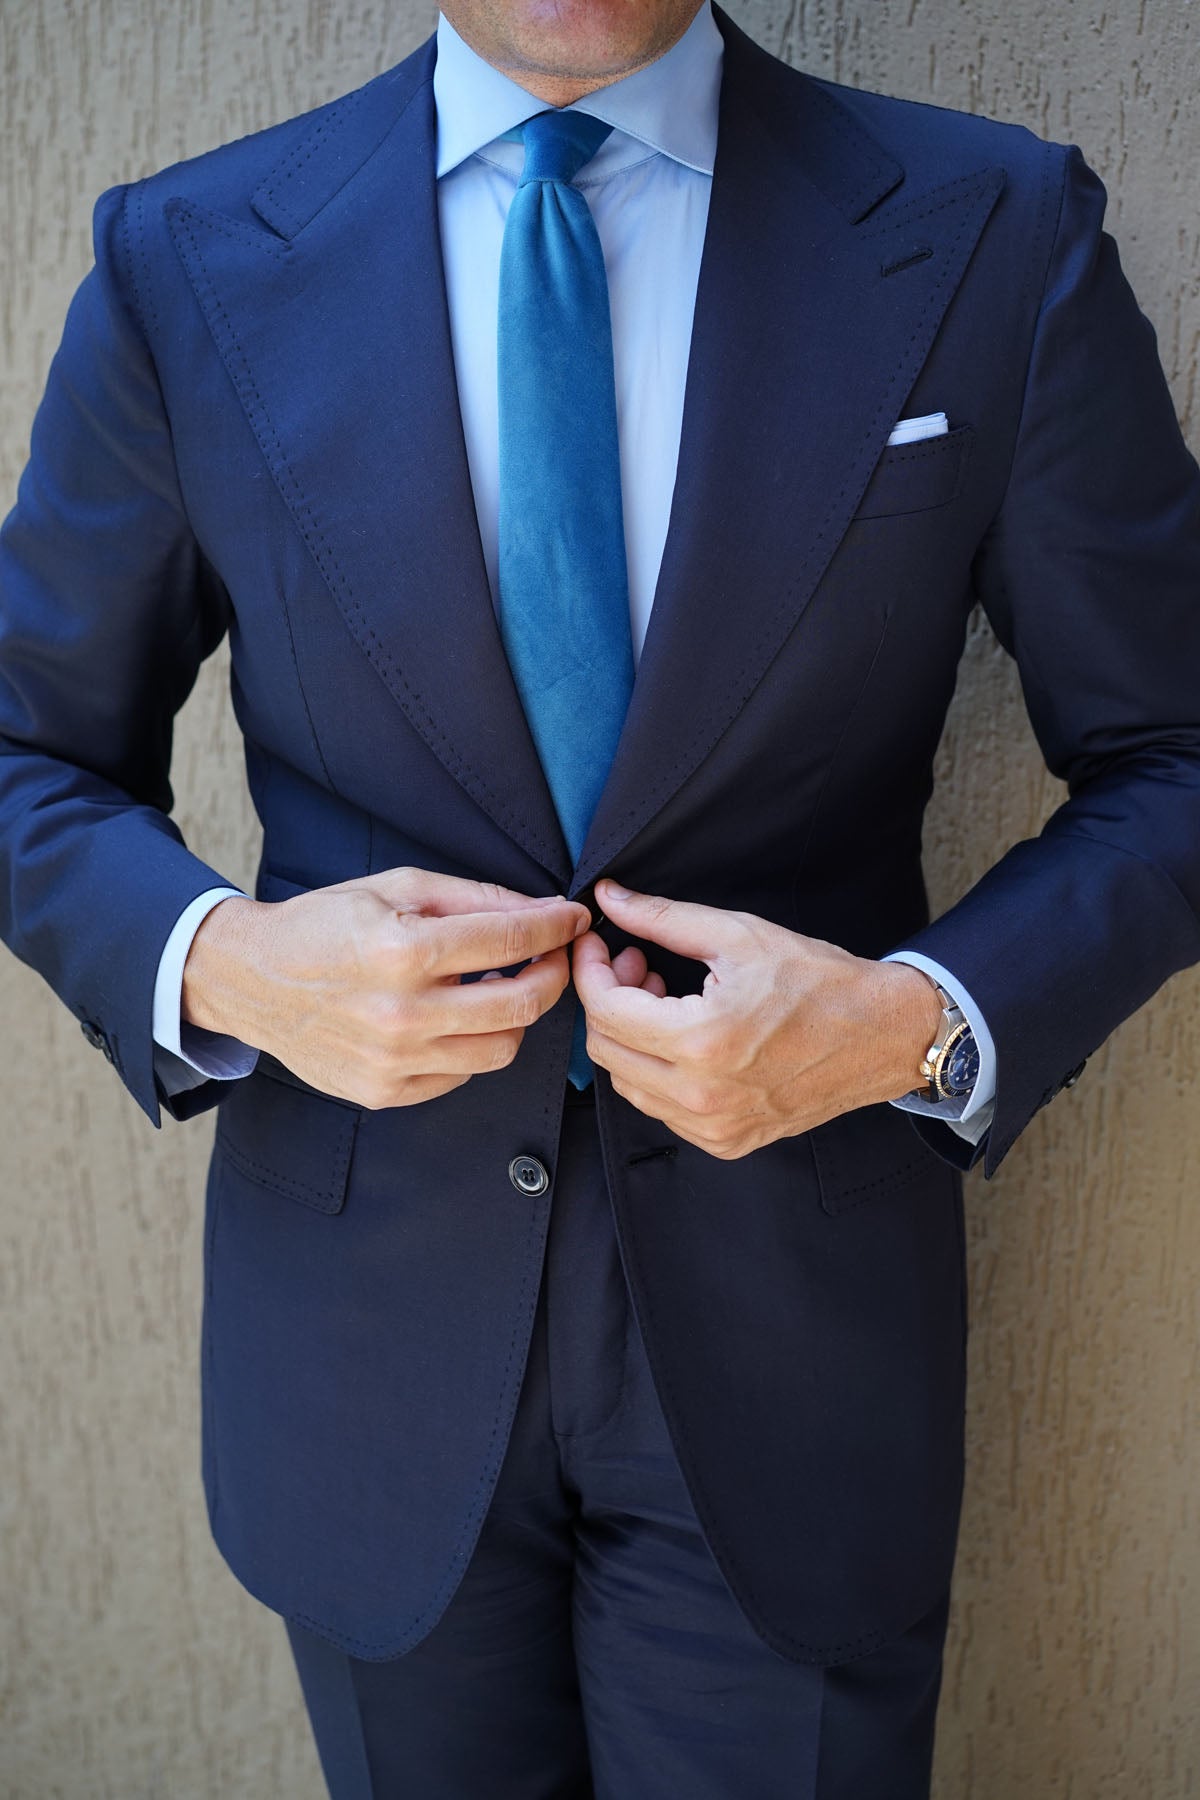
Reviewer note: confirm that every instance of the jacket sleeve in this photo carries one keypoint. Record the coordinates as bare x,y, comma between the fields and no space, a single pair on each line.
107,608
1090,576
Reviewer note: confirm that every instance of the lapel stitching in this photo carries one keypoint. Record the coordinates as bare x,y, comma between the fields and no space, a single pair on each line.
306,164
186,221
740,452
928,205
881,173
976,194
267,199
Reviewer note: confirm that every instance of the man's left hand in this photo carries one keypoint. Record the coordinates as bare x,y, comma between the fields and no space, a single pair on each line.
789,1031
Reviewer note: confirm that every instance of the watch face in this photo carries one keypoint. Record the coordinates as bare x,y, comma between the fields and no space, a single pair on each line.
960,1070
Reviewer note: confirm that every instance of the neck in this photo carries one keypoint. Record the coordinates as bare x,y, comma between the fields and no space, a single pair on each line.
564,90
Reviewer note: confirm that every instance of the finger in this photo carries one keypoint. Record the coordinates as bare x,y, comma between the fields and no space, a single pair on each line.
591,965
376,1095
419,1088
651,1105
634,1068
596,976
503,1002
681,1124
424,891
705,933
630,967
641,1017
478,1053
632,970
460,944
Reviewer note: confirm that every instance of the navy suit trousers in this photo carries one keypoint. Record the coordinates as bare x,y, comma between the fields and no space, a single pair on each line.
593,1650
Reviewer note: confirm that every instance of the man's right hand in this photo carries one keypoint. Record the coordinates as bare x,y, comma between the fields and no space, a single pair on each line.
357,988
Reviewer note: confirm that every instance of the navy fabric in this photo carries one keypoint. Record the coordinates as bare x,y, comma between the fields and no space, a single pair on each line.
593,1648
564,592
239,434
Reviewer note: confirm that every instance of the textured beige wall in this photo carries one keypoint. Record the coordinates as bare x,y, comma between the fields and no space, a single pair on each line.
131,1665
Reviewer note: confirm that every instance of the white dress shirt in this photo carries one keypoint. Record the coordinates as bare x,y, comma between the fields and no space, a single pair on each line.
648,189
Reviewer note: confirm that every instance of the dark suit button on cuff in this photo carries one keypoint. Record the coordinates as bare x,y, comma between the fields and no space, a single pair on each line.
1070,1080
528,1175
94,1035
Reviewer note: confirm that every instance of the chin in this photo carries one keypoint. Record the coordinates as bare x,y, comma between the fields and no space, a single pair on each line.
581,38
589,38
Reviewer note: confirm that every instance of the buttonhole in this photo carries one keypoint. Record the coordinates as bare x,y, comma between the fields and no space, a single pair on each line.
921,254
663,1153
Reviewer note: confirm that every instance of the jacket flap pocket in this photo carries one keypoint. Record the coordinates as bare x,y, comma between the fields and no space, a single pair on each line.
865,1154
914,477
285,1135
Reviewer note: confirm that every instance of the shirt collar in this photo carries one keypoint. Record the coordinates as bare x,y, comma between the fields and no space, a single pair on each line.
671,105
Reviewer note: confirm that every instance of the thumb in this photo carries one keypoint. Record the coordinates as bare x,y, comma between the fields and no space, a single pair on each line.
705,933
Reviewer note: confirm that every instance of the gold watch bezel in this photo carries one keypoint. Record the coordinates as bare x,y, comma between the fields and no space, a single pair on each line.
938,1057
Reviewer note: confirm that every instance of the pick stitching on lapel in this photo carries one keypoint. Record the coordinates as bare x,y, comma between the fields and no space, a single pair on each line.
802,355
334,330
355,408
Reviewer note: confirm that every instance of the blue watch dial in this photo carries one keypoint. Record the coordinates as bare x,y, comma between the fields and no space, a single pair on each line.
961,1070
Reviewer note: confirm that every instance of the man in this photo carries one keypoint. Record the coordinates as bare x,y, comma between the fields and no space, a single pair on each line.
592,1410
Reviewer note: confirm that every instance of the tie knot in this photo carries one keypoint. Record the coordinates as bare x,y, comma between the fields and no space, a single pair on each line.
557,144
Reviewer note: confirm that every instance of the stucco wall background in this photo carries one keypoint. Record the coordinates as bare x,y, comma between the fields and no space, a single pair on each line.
131,1664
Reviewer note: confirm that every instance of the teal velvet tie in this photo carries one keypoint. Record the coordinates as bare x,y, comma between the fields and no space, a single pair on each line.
563,586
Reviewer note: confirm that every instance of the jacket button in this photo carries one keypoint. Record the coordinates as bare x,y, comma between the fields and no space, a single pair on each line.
1070,1080
97,1039
528,1175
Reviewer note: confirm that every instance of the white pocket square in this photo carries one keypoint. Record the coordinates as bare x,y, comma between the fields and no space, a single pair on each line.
911,431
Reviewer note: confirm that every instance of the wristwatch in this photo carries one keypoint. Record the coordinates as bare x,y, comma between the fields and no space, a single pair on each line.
951,1065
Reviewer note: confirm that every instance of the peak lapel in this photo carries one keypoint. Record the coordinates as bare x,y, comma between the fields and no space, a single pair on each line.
804,347
334,329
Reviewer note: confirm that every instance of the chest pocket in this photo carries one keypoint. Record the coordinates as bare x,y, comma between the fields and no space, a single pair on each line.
912,478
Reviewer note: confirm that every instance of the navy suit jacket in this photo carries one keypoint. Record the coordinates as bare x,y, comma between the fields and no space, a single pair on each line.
252,427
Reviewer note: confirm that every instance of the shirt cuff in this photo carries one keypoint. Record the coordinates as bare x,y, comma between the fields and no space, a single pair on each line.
187,1055
970,1118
